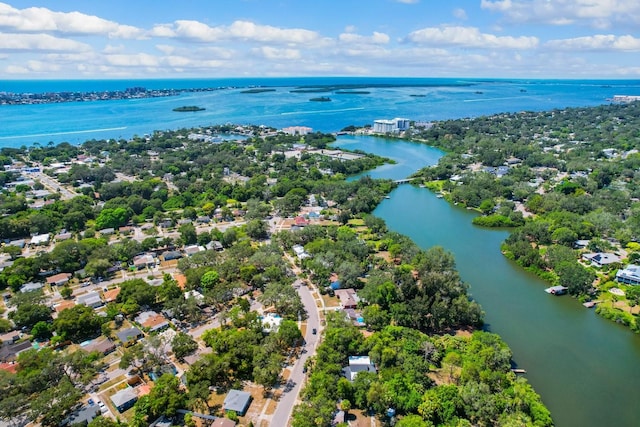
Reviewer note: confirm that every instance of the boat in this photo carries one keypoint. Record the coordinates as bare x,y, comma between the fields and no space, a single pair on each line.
557,290
589,304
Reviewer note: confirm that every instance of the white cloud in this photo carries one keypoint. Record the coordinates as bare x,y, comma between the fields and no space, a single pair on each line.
469,37
113,49
265,33
273,53
460,14
133,60
238,30
16,69
600,42
40,19
39,42
597,13
376,38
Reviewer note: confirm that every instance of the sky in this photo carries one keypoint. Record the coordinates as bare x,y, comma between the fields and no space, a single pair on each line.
82,39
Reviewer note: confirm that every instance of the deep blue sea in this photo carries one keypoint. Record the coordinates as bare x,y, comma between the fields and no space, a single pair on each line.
436,99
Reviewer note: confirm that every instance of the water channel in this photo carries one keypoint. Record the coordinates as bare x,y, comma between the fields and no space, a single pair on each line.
584,367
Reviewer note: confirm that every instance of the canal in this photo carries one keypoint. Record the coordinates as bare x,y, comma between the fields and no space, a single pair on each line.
584,367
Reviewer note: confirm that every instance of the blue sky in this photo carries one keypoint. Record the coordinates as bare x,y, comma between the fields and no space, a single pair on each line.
264,38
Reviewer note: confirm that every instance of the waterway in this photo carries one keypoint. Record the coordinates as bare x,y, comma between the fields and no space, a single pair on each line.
584,367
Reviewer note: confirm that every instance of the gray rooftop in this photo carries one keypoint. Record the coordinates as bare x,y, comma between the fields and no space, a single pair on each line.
122,397
237,401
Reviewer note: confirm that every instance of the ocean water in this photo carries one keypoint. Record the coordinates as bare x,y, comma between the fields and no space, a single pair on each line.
25,125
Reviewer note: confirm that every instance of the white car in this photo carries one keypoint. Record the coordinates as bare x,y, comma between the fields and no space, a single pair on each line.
102,406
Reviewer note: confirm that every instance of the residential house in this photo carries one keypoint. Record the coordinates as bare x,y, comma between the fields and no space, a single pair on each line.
124,399
58,279
358,364
10,337
271,322
82,416
195,295
9,351
193,249
300,252
300,221
126,230
237,401
104,347
144,261
90,299
62,236
223,422
31,286
600,259
170,256
107,231
348,297
215,245
40,239
152,321
129,336
111,295
629,275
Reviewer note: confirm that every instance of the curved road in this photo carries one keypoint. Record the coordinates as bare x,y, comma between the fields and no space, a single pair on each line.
282,414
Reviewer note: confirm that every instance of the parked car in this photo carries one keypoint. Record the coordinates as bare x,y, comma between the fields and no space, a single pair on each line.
314,331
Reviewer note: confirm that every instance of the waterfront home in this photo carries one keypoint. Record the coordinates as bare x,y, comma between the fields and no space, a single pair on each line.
600,259
629,275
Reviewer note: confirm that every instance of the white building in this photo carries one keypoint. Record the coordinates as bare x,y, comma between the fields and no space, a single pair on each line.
297,130
391,126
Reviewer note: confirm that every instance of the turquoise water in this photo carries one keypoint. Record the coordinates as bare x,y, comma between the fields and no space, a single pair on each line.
443,99
584,367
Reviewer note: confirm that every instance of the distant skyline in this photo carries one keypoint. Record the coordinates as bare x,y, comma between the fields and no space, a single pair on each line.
57,39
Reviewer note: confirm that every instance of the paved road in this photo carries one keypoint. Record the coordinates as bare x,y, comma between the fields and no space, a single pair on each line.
282,414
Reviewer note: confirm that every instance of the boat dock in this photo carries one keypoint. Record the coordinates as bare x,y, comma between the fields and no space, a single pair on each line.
557,290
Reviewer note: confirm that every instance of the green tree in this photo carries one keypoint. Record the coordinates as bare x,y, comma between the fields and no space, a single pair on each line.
66,292
188,234
166,397
183,345
41,330
78,323
210,279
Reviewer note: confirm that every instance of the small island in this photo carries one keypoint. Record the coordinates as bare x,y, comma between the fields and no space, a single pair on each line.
321,99
353,92
258,90
187,108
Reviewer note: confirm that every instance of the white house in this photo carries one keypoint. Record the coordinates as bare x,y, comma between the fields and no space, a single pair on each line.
629,275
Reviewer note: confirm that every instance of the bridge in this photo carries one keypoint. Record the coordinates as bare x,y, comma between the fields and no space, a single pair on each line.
404,181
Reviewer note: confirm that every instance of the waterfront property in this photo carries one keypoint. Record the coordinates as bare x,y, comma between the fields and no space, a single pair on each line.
390,126
629,275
